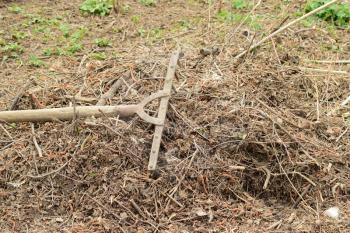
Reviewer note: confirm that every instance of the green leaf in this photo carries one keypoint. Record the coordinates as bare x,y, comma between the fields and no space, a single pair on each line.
337,14
102,42
35,61
239,4
97,7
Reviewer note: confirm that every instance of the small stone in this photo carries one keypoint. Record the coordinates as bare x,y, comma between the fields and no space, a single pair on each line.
59,219
123,215
332,212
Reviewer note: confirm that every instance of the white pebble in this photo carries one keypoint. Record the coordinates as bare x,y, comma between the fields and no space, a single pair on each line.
332,212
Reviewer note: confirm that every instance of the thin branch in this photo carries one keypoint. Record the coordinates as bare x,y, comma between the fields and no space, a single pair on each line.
37,147
307,69
330,61
49,173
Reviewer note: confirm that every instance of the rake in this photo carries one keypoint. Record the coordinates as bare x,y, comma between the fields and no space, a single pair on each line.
123,111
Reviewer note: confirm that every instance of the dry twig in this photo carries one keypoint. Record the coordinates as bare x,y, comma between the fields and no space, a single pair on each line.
20,94
38,148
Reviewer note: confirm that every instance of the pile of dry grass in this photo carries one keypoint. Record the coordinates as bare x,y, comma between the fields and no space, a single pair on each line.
236,142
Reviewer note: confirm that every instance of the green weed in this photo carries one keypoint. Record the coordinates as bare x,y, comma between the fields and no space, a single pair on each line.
34,61
156,33
99,56
185,24
36,19
337,14
96,7
15,9
135,19
79,34
11,50
71,39
308,22
13,47
239,4
225,15
141,32
228,16
102,42
65,29
19,35
148,2
48,52
74,47
54,51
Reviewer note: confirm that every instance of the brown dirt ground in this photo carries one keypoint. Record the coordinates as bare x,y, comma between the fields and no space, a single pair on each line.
244,140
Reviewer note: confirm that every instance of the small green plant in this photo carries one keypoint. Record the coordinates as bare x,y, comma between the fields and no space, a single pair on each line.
34,61
225,15
13,47
79,34
19,35
141,32
54,51
156,33
228,16
99,56
74,47
65,29
148,2
11,50
102,42
37,19
135,19
338,14
239,4
48,52
15,9
185,24
42,29
96,7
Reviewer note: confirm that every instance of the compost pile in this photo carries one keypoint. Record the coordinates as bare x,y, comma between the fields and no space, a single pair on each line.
234,146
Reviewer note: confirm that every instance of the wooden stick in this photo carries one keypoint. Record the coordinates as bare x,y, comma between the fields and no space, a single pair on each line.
71,113
111,92
67,113
163,107
285,27
307,69
331,62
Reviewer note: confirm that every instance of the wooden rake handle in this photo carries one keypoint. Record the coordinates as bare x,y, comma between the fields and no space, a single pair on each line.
69,113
